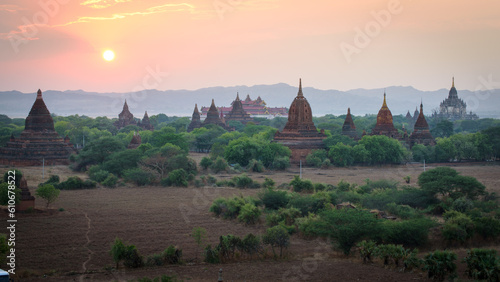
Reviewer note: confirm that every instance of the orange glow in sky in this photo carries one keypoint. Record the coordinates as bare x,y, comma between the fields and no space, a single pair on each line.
333,44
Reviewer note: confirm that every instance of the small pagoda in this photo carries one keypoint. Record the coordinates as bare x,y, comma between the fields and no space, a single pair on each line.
145,123
213,116
135,142
300,133
237,113
349,129
421,133
39,142
195,119
125,118
27,200
384,125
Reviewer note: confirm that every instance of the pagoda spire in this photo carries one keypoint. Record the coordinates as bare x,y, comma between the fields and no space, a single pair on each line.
453,81
39,94
348,111
237,96
384,105
300,94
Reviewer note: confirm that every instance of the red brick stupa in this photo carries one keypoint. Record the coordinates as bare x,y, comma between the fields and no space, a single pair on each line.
237,113
135,142
38,142
300,133
384,125
213,116
145,123
125,117
421,133
27,201
195,120
349,129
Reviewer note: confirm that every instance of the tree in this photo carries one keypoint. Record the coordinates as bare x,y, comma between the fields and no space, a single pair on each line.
121,161
447,182
443,129
200,235
97,151
118,251
341,155
382,149
48,192
4,248
277,236
5,196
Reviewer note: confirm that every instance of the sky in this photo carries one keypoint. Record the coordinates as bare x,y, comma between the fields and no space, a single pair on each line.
192,44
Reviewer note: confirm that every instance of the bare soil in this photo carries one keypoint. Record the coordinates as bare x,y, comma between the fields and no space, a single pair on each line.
74,244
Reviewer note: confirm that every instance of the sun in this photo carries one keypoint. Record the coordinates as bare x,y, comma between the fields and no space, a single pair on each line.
108,55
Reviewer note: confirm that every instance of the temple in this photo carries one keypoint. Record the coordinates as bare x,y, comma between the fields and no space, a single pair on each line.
213,117
300,133
421,133
384,125
135,142
237,112
145,123
39,142
125,118
27,200
349,129
195,119
454,108
255,108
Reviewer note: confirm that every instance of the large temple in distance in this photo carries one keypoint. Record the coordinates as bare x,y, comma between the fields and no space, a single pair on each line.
254,108
39,143
127,118
454,108
300,133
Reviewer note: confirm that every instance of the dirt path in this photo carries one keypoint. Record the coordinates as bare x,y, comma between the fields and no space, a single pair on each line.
86,245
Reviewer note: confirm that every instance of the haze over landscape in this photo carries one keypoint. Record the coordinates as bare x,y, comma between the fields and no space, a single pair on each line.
165,45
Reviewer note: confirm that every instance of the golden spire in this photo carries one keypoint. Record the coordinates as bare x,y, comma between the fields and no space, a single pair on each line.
453,82
384,105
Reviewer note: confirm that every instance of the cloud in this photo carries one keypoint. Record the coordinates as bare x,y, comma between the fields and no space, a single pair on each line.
101,4
10,8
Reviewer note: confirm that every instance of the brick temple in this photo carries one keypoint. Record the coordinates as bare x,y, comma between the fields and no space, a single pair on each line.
145,123
195,119
454,108
421,133
300,133
38,142
255,108
125,117
237,113
27,200
349,129
213,117
385,125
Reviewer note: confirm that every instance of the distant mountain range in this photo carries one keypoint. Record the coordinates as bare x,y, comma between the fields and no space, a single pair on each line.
181,102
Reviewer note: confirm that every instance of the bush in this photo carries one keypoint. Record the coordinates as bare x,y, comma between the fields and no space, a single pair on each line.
243,181
307,203
154,260
281,163
205,163
249,214
255,166
274,199
211,255
277,236
132,258
6,198
462,205
76,183
98,176
177,177
440,264
411,233
367,250
48,193
268,183
458,228
172,255
487,227
219,165
138,176
118,251
110,181
230,208
53,180
300,185
483,265
251,244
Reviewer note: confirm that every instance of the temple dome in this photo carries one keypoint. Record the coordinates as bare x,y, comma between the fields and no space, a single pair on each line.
300,115
39,118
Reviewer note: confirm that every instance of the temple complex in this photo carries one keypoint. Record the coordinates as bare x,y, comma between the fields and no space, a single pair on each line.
135,142
145,123
349,129
454,108
384,125
125,118
421,133
254,108
27,200
195,119
237,112
300,133
39,142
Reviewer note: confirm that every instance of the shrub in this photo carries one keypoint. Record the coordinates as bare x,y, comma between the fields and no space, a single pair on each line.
251,244
410,259
268,183
98,176
110,181
401,211
281,163
487,227
220,164
343,186
249,214
48,193
6,198
205,163
154,260
307,203
458,228
274,199
53,180
172,255
307,224
177,177
483,264
229,208
200,235
300,185
255,166
389,252
132,258
138,176
118,251
440,264
366,250
211,255
277,236
76,183
243,181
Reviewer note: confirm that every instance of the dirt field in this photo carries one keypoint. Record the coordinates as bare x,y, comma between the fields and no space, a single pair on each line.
74,244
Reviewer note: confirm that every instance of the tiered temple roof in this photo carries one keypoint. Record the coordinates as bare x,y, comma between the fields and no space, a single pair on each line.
349,129
255,108
38,142
237,113
421,133
385,125
125,117
145,123
195,120
300,133
213,116
454,108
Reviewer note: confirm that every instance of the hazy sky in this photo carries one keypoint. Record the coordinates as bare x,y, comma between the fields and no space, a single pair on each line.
330,44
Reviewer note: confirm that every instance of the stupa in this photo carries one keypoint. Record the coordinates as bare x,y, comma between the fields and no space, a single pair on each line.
27,200
213,116
384,125
349,129
39,142
300,133
146,123
421,133
195,120
135,142
454,108
237,113
125,117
